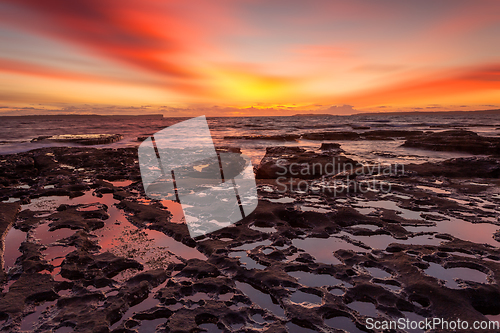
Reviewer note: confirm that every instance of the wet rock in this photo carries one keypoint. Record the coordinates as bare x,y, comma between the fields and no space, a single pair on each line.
282,137
456,140
389,134
472,167
194,292
73,217
61,166
82,240
84,139
359,127
81,265
368,135
8,213
331,146
28,288
296,162
15,164
331,136
32,260
45,161
199,269
156,218
496,235
81,313
155,277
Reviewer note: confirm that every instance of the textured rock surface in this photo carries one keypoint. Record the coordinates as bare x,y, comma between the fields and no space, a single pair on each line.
301,260
460,167
296,162
367,135
84,139
8,212
456,140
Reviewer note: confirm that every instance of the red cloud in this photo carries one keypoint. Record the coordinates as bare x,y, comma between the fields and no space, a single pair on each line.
116,29
468,81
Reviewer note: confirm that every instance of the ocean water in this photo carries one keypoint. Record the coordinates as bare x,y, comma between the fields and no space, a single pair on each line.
17,132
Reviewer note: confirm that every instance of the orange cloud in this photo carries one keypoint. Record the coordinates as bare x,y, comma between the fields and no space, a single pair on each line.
242,53
472,82
128,31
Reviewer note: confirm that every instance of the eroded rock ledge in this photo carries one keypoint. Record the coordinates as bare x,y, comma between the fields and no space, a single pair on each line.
301,259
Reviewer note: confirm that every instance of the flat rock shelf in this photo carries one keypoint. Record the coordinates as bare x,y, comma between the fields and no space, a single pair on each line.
84,250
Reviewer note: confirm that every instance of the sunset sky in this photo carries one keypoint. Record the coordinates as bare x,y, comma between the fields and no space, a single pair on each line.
275,57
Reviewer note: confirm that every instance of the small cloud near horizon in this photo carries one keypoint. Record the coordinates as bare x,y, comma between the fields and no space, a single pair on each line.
341,110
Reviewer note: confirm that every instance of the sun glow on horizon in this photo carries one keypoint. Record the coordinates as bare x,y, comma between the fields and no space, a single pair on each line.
248,58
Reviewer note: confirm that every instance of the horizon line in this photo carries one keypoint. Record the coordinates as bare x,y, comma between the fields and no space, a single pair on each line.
305,114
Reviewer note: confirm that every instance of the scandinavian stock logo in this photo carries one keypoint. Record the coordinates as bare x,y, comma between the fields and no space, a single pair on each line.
215,189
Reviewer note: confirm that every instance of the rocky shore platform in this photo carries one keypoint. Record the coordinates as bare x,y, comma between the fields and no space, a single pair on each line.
84,250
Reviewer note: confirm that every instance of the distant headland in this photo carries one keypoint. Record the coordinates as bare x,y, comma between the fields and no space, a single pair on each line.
56,116
429,113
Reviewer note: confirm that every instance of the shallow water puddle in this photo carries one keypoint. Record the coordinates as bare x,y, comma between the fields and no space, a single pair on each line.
12,243
460,201
225,297
259,320
412,316
146,304
322,248
28,322
50,203
387,204
493,317
323,209
267,251
365,210
377,272
246,260
251,246
382,241
152,248
343,323
261,299
367,226
149,326
305,298
55,254
337,292
120,183
474,232
450,274
313,199
364,308
397,195
267,230
176,209
391,287
316,280
433,189
292,328
44,236
283,200
209,328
